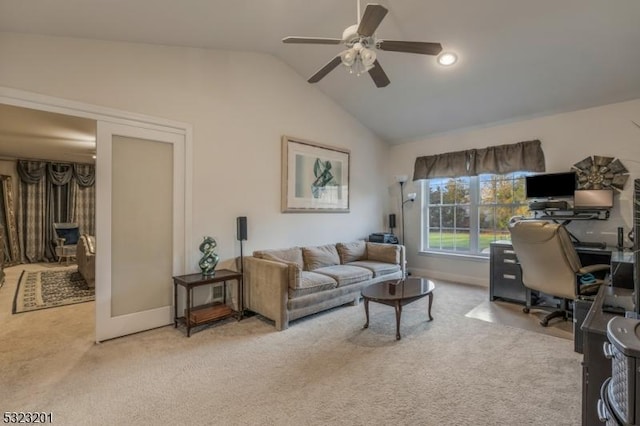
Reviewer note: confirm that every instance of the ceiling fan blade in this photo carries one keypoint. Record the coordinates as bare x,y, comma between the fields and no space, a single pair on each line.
325,70
312,40
373,15
378,75
420,47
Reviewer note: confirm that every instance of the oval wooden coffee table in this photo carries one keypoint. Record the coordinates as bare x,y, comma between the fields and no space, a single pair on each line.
398,293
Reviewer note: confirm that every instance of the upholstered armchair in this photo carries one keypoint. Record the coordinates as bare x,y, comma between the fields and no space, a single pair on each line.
86,257
66,239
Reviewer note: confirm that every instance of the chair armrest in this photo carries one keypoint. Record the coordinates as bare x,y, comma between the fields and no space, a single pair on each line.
593,268
60,241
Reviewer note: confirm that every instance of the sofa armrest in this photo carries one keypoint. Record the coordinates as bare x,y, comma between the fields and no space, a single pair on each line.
266,289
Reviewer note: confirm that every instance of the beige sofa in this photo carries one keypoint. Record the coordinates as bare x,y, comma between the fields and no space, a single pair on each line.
287,284
86,258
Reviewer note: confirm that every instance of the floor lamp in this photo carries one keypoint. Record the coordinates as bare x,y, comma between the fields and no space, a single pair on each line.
401,179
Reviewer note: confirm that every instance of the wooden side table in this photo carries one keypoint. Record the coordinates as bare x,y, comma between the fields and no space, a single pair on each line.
210,312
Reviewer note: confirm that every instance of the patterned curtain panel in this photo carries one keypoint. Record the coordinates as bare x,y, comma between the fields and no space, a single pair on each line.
84,198
10,240
32,210
84,208
518,157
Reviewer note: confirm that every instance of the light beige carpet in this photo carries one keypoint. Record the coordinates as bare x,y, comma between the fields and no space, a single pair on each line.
323,370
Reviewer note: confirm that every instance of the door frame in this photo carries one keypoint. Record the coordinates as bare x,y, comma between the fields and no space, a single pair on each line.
42,102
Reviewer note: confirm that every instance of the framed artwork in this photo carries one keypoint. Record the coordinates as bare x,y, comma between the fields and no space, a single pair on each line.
315,178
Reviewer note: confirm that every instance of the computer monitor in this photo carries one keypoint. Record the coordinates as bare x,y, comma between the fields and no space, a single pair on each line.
593,199
550,185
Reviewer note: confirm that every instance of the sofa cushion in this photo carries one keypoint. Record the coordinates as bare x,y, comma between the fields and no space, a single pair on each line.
346,274
311,282
320,256
350,252
293,254
378,268
388,253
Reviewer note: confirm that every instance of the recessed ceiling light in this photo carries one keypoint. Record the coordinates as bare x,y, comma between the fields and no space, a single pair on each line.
447,58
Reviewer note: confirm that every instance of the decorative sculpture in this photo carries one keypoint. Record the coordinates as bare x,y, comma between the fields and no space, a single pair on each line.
599,172
209,257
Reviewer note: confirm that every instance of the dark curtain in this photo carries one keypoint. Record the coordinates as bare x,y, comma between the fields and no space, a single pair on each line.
48,193
518,157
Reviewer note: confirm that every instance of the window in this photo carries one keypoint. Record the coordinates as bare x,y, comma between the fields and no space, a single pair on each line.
465,214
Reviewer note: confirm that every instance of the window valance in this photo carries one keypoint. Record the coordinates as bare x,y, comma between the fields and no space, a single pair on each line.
57,173
500,159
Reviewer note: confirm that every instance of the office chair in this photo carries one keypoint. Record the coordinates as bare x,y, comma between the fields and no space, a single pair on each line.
550,264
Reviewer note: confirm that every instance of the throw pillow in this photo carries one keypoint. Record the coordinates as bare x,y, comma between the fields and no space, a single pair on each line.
388,253
320,256
350,252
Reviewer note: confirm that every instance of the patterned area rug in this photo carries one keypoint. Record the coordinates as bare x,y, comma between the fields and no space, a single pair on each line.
49,289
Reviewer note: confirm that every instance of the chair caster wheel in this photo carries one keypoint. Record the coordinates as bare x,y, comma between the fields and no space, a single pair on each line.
526,310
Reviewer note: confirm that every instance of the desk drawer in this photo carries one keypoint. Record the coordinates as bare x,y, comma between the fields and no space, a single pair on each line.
501,268
507,284
502,252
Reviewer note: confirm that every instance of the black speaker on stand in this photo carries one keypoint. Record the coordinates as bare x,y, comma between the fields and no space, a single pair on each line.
241,235
392,222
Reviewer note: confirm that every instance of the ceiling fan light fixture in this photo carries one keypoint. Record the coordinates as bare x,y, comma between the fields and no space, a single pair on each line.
348,57
447,59
368,57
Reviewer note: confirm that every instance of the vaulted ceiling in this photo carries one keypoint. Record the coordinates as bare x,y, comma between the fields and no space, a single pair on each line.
518,58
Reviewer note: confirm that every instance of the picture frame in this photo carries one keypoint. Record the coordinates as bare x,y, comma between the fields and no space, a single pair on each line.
315,177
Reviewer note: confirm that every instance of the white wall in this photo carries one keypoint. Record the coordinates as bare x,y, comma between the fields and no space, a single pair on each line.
240,104
566,139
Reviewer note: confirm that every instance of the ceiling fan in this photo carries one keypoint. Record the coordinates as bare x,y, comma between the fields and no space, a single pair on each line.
360,41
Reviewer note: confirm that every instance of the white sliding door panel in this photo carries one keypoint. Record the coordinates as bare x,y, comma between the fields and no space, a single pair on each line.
140,227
